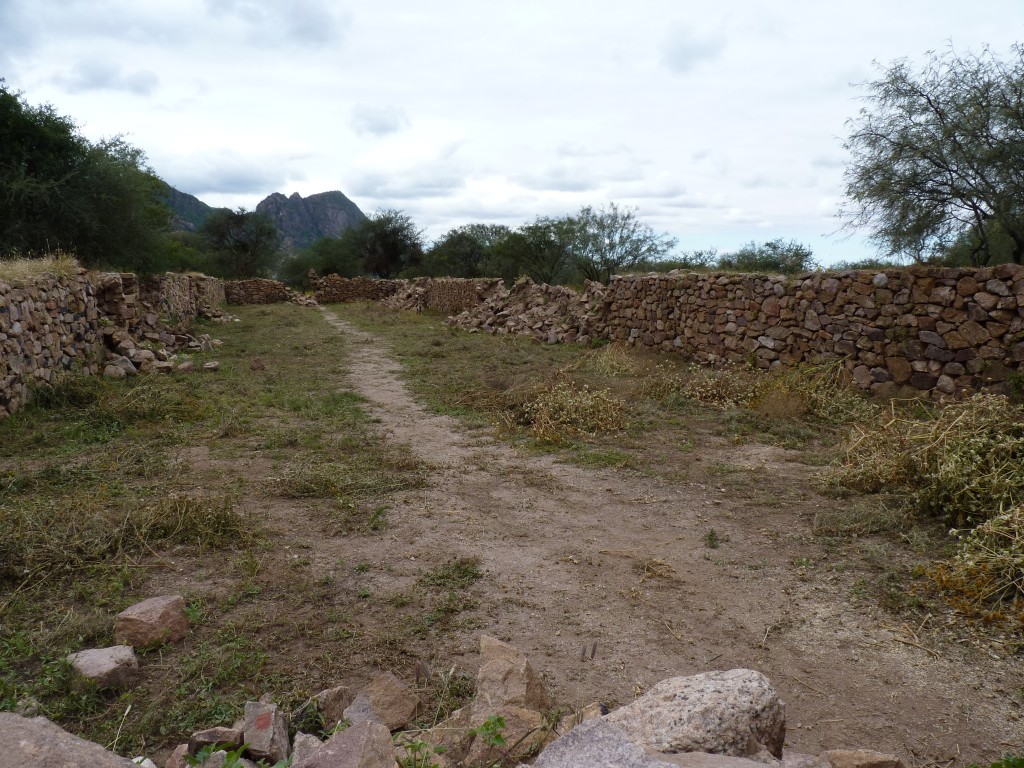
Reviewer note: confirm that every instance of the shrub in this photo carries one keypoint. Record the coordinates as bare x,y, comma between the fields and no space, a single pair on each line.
555,412
960,465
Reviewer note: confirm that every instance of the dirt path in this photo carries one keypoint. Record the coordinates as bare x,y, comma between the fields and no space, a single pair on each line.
578,556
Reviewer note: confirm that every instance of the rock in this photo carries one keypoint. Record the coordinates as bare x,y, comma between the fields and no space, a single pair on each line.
727,713
257,364
112,371
145,762
114,667
177,758
266,732
860,758
127,365
332,703
186,367
229,738
570,721
219,759
454,735
506,677
38,743
387,700
596,743
152,622
211,366
304,745
364,745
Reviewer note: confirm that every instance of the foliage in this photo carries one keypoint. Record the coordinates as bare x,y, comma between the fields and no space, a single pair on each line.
606,241
962,464
775,257
244,243
326,256
987,573
467,251
539,250
874,263
59,190
553,412
418,753
386,243
700,260
936,156
455,574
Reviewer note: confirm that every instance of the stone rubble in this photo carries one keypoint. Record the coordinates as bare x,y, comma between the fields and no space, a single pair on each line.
720,719
152,622
115,667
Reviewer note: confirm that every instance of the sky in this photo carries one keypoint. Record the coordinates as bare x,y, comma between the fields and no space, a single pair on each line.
721,123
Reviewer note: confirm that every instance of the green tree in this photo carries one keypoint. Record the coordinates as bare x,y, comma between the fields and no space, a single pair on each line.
326,256
467,251
57,189
605,241
243,243
777,256
387,243
540,250
936,157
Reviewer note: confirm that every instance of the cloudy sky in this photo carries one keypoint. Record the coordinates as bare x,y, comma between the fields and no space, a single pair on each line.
721,122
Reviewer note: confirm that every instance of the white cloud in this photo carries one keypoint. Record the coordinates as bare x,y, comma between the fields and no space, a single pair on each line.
685,48
378,121
97,75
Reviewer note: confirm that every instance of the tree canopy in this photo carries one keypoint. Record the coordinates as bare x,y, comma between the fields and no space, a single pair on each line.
58,189
243,243
611,239
387,243
938,158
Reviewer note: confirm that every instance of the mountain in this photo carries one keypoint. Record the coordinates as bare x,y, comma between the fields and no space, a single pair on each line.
301,221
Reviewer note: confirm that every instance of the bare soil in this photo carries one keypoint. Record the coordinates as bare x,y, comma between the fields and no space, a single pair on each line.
579,559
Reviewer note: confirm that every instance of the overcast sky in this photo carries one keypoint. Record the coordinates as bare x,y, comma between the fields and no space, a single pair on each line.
722,122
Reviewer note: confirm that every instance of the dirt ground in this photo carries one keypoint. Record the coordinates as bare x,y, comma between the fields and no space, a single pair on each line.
606,580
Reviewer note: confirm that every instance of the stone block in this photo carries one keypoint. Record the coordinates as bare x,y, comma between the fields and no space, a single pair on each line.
152,622
113,667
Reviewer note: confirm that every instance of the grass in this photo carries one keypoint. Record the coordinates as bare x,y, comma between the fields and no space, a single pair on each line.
19,270
108,488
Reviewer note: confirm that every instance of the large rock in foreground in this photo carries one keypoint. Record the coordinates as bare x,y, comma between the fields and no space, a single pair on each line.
38,743
727,713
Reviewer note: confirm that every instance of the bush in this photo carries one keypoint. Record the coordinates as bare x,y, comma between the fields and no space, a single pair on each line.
961,465
554,412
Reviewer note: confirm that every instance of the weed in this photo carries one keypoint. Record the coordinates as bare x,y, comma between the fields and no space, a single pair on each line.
418,754
711,539
455,574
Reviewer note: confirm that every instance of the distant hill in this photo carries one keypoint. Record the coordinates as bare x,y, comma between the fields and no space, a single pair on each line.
301,221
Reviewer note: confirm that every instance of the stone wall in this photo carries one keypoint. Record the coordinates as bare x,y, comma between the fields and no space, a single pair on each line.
941,331
334,289
45,327
256,291
54,323
448,295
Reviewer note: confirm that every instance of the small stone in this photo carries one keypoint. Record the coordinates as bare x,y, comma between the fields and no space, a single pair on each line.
229,738
386,700
114,667
365,745
112,371
186,366
266,731
211,366
152,622
304,745
332,703
177,758
145,762
506,677
126,364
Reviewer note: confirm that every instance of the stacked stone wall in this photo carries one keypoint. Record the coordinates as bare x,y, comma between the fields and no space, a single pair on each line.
256,291
334,289
444,294
941,331
46,326
54,323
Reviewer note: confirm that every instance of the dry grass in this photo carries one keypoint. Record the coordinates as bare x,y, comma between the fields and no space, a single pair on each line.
986,576
24,269
961,465
558,412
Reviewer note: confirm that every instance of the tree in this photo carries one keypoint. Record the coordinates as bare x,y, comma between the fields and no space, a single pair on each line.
608,240
57,189
244,243
387,242
938,157
467,251
774,257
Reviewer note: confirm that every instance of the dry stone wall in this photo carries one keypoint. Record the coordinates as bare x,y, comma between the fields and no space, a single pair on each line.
940,331
334,289
448,295
256,291
54,323
45,327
